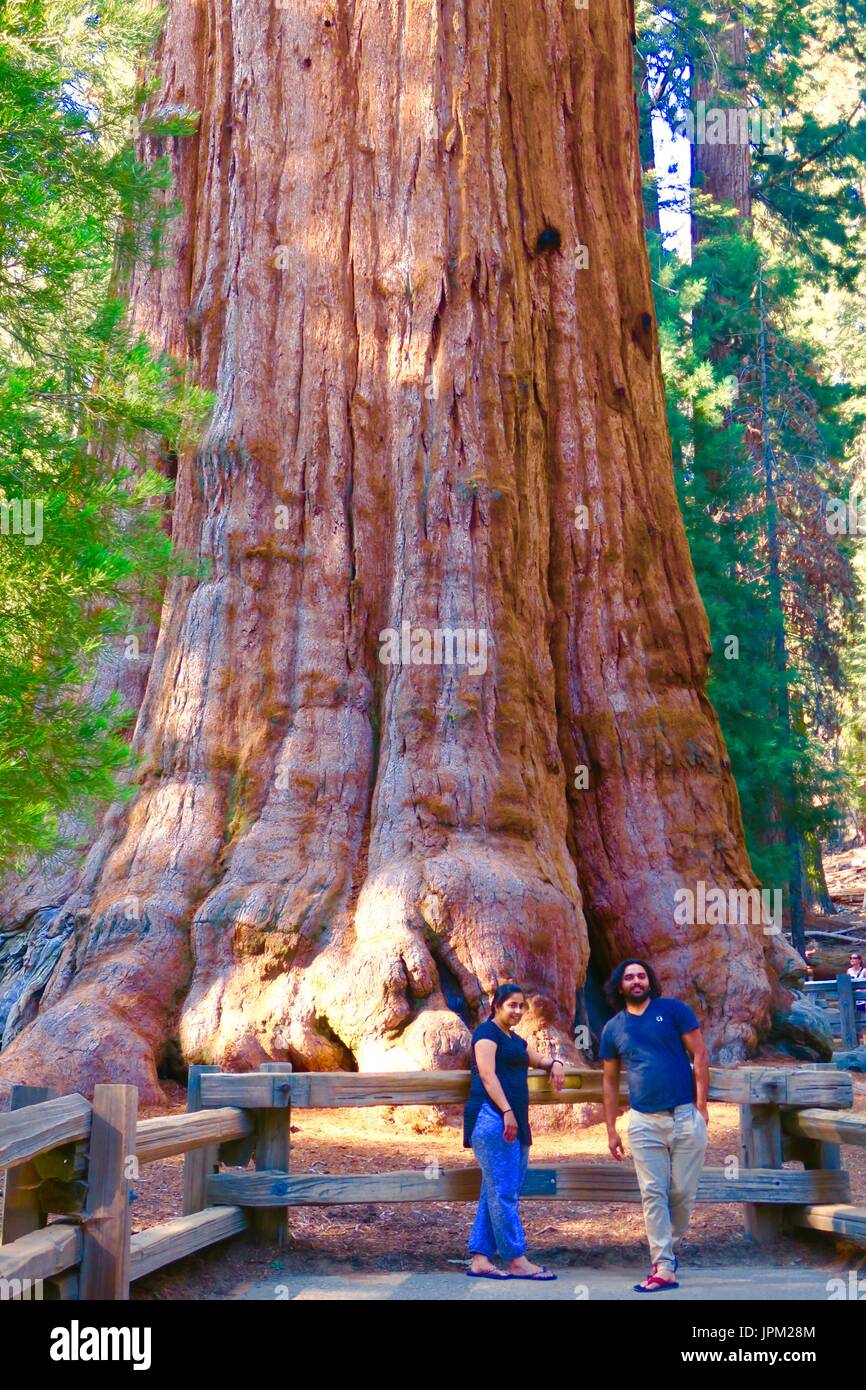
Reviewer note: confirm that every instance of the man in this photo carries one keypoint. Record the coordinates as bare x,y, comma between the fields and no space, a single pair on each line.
667,1126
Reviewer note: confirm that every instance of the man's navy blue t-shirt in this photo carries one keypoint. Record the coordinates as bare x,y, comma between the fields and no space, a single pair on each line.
651,1046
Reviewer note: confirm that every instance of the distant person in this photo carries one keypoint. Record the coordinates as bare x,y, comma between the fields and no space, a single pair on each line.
667,1125
496,1127
855,966
858,974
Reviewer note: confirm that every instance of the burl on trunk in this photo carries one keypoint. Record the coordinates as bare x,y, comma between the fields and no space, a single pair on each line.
435,715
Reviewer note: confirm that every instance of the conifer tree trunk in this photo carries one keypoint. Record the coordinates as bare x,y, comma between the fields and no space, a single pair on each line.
722,167
430,410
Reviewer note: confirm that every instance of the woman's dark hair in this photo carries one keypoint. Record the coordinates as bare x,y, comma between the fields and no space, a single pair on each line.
612,989
504,992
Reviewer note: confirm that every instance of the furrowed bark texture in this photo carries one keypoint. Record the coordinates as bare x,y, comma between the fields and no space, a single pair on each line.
412,404
723,166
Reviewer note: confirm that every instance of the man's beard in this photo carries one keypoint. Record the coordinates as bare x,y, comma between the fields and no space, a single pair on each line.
637,996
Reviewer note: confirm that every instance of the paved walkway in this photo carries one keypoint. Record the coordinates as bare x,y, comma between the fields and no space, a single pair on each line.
717,1285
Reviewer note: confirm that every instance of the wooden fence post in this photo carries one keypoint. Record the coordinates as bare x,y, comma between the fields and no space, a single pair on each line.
761,1147
200,1163
273,1142
812,1153
108,1218
21,1210
847,1012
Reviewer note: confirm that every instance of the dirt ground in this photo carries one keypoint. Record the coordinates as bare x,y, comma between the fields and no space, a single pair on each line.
845,873
366,1238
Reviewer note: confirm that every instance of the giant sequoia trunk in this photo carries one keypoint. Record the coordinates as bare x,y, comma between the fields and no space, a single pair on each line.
420,385
722,168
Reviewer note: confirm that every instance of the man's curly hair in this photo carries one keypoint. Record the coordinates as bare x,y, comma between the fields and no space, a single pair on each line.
613,987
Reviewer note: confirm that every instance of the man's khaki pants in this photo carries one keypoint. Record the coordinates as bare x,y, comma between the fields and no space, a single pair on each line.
668,1149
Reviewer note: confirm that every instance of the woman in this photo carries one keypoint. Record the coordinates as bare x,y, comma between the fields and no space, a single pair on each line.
496,1128
858,975
855,966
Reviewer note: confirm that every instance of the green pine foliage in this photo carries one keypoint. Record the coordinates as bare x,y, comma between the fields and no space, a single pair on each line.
721,509
85,404
793,728
714,411
806,66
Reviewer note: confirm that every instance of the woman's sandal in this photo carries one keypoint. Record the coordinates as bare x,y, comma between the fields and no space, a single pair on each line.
541,1276
498,1275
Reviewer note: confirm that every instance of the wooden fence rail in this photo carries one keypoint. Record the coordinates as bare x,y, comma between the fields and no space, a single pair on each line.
26,1133
169,1135
573,1182
75,1162
335,1090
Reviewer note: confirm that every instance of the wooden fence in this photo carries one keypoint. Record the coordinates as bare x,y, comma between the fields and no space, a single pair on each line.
840,998
76,1163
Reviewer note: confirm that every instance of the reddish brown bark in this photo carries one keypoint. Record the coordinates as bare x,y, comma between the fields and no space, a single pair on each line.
723,168
321,843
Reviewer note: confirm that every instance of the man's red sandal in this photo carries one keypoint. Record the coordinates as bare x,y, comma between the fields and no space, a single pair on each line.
653,1284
